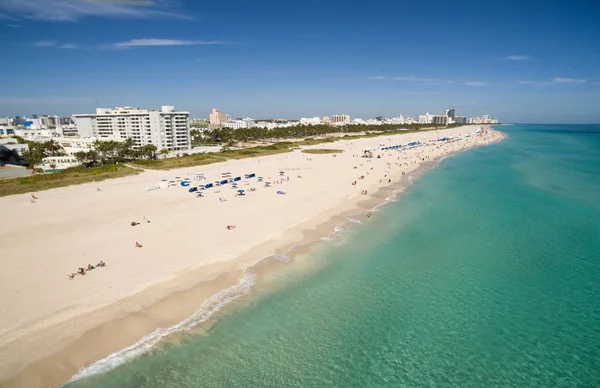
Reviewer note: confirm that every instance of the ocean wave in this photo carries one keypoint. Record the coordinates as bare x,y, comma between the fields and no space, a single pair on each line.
206,310
338,229
354,220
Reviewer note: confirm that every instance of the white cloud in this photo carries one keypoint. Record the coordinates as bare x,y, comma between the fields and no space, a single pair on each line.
161,42
45,43
68,46
555,81
475,83
377,78
560,80
71,10
414,79
516,58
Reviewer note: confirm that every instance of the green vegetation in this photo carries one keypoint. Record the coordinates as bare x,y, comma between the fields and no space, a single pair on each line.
183,161
272,149
68,177
110,152
226,135
323,151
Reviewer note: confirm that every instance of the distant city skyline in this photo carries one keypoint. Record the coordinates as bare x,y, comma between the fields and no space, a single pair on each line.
515,60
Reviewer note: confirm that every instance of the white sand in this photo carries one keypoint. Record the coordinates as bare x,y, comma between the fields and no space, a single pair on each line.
70,227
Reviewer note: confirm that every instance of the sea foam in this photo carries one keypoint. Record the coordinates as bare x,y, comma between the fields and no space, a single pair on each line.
206,310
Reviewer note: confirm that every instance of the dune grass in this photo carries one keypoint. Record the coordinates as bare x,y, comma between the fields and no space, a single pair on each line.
182,161
68,177
273,149
323,151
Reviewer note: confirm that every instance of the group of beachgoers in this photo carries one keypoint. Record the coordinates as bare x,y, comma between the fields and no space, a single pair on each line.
82,271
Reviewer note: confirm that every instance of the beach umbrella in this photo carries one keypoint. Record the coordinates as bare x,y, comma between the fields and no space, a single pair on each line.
241,191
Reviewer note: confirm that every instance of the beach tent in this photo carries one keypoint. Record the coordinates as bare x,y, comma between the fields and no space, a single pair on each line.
237,179
185,183
251,175
193,189
224,182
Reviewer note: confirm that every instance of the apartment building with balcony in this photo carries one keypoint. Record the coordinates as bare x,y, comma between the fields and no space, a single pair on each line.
164,128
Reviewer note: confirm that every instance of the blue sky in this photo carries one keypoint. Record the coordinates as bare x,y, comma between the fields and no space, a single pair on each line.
522,61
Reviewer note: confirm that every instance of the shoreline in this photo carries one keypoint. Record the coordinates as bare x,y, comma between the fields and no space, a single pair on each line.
168,303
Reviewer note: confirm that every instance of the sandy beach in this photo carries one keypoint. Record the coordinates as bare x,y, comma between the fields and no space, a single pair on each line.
51,326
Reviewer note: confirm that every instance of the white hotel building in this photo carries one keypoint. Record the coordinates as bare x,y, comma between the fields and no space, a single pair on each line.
163,128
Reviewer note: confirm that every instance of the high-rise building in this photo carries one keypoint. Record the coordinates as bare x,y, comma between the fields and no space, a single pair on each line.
451,112
439,120
163,128
239,124
340,118
425,119
217,117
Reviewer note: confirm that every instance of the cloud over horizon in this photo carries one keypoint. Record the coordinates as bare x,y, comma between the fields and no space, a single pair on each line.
72,10
161,42
44,43
555,81
516,58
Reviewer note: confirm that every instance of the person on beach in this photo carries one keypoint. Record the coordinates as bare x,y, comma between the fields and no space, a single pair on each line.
81,271
89,267
71,276
230,227
138,245
101,264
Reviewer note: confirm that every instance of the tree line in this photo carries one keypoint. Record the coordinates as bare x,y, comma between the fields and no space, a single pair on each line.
101,152
228,135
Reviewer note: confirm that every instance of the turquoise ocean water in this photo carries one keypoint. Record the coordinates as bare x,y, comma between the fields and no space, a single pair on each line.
485,274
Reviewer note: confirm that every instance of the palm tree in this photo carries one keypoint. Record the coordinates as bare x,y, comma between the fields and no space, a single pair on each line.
164,152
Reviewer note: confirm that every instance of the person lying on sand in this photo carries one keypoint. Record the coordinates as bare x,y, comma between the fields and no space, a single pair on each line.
230,227
71,276
101,264
33,196
81,271
133,223
90,267
138,245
